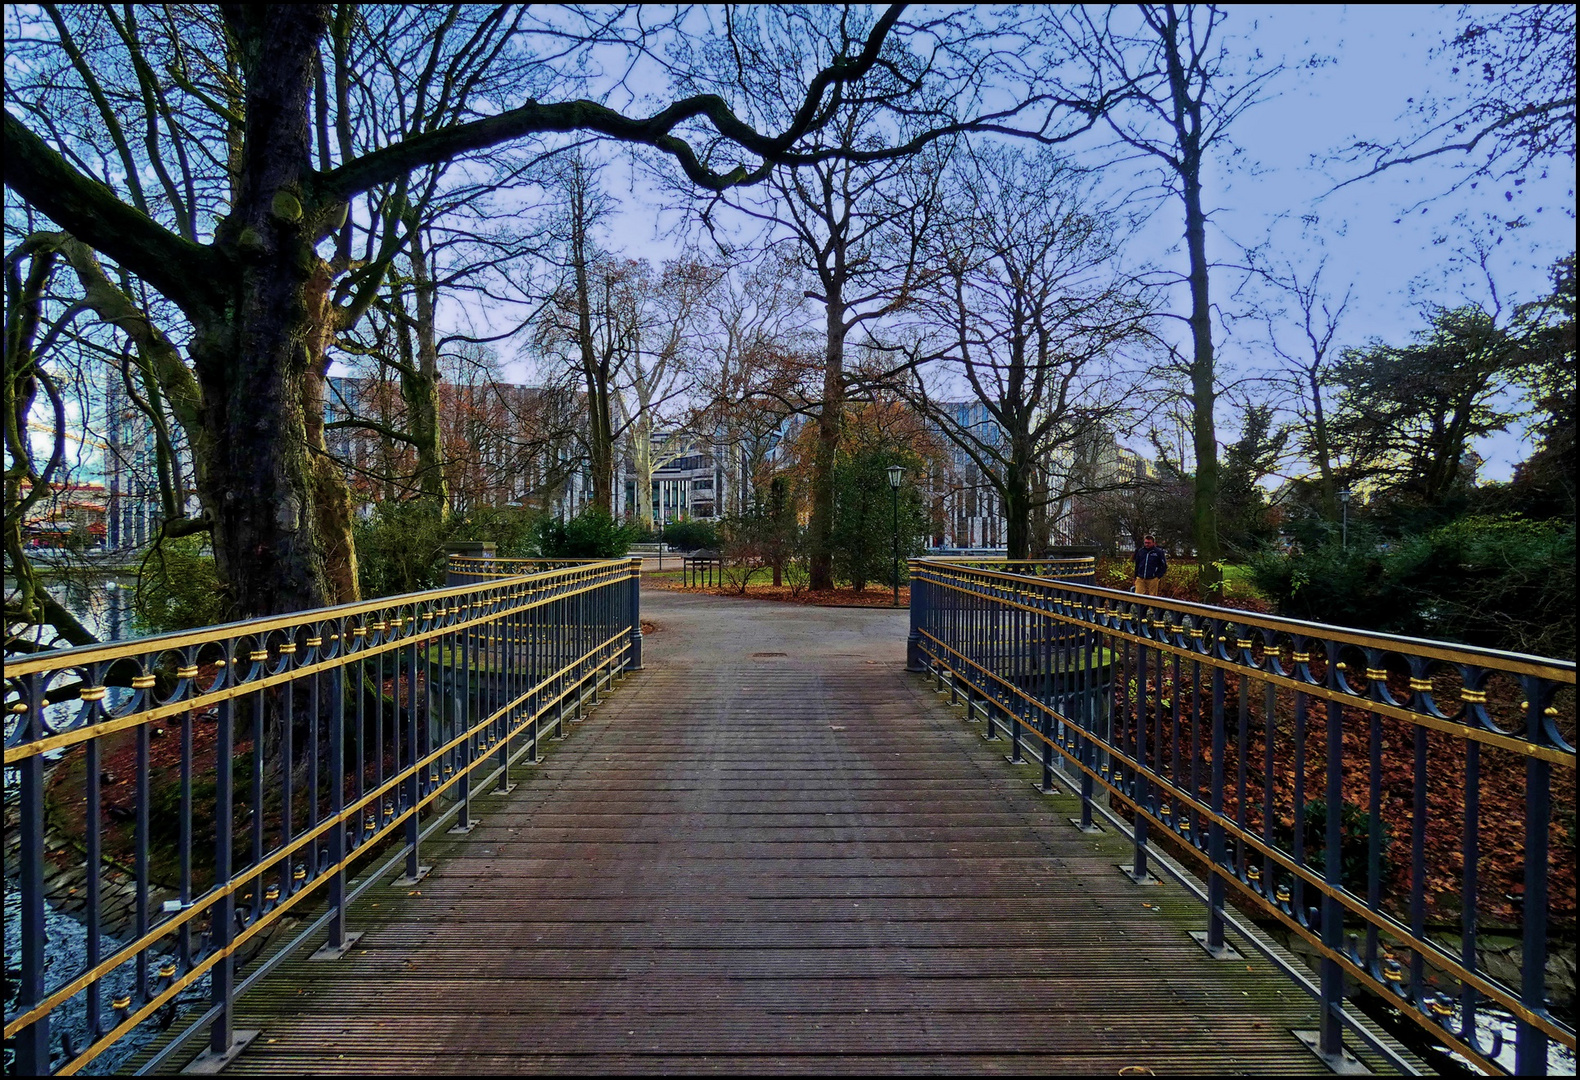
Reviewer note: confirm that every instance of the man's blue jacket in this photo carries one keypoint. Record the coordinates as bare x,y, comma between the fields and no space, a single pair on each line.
1151,562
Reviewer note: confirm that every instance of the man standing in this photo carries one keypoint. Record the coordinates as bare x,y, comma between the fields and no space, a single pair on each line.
1151,565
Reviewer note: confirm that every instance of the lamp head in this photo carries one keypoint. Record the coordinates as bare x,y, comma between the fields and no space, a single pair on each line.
896,474
1344,495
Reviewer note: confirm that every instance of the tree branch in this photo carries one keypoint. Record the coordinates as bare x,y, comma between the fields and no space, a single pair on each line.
191,275
432,147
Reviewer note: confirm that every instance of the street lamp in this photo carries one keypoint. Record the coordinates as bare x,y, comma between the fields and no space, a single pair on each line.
896,474
1344,527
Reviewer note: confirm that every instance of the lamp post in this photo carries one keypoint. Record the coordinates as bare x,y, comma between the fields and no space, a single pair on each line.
896,474
1344,526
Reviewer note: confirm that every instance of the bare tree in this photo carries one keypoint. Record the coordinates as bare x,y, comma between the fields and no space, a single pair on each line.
29,483
856,230
659,317
857,217
1178,89
759,358
1308,370
1029,311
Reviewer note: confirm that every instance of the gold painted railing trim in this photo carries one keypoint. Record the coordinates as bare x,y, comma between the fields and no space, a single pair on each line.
91,654
1523,663
206,902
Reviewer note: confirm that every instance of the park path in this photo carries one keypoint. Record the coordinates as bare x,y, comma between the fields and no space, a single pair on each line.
773,850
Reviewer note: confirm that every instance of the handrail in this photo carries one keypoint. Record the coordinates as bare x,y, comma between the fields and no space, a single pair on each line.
1213,727
1069,567
353,726
473,569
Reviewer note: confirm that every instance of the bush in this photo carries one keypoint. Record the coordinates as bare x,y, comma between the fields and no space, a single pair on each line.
1354,843
591,534
691,535
1182,582
1505,583
178,588
747,545
400,547
1329,583
864,518
512,530
797,574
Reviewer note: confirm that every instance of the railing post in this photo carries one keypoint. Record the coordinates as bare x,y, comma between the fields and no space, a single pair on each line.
913,640
223,926
1330,1029
1530,1042
470,648
337,800
32,1042
1217,890
1089,686
1139,788
1015,656
1051,698
634,658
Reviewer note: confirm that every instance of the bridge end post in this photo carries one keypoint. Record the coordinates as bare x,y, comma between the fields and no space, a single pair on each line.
633,660
913,640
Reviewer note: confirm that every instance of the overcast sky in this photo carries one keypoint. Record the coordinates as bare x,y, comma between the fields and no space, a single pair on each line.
1397,261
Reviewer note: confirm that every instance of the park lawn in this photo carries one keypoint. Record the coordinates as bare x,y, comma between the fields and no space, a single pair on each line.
1239,583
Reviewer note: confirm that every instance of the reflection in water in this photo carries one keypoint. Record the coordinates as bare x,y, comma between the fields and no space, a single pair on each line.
103,604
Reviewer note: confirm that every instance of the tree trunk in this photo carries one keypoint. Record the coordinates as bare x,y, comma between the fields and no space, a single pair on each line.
281,507
1323,451
421,390
1204,432
642,469
600,425
830,424
1017,509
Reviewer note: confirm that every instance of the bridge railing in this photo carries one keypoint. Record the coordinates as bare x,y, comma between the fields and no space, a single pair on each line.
476,569
1226,739
1071,568
197,788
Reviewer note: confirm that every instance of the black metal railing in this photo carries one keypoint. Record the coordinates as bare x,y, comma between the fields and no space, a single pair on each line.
1389,801
198,787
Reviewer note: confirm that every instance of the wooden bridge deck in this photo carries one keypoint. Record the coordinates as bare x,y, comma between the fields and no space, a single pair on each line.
799,862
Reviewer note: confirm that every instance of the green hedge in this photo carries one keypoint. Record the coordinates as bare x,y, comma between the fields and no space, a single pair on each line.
1501,582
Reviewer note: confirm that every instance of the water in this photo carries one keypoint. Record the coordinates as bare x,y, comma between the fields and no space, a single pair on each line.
1560,1059
65,954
